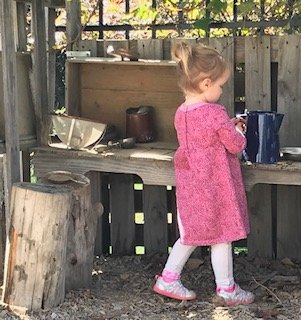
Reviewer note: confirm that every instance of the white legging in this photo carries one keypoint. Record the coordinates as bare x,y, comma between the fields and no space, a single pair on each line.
221,260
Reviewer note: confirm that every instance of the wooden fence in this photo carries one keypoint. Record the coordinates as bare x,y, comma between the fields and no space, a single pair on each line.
266,77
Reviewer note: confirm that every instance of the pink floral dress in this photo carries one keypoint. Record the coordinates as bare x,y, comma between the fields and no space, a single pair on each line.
211,199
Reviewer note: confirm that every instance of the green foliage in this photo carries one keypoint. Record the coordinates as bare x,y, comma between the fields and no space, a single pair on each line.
203,24
202,15
217,6
247,7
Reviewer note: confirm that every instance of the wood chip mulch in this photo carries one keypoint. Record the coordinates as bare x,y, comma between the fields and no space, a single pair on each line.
122,291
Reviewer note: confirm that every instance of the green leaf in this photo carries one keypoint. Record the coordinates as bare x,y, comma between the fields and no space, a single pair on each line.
217,6
203,23
246,7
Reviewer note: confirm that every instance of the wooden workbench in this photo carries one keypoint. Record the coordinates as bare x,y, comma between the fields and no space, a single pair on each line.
153,162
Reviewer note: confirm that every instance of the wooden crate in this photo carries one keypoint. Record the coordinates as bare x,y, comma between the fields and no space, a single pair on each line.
103,90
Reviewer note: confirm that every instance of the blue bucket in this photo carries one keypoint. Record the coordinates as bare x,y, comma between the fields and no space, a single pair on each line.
263,136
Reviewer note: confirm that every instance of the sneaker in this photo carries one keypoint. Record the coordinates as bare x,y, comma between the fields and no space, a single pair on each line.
235,296
173,289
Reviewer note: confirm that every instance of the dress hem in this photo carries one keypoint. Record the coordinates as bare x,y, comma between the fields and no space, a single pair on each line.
210,243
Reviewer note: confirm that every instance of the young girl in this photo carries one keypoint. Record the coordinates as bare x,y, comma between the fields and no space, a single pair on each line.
211,201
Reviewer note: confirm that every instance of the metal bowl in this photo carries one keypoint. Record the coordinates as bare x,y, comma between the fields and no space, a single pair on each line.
291,153
77,133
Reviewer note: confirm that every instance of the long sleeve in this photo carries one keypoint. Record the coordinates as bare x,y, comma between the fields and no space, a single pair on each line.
232,140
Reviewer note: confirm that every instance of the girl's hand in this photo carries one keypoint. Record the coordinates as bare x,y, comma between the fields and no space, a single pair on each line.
240,124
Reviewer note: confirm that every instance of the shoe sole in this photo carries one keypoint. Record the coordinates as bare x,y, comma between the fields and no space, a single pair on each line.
234,304
170,295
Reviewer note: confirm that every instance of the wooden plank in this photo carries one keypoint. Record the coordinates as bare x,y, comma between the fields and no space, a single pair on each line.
72,74
47,3
2,219
51,57
105,199
122,214
95,182
86,45
40,70
155,219
24,104
73,22
109,106
12,147
288,222
129,76
289,96
109,45
26,166
174,234
258,97
226,47
153,172
150,49
239,46
260,240
21,27
258,73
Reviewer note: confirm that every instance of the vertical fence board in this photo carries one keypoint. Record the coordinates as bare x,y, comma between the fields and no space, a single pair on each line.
258,73
2,219
86,45
105,198
289,97
73,79
258,97
155,219
174,229
95,182
226,47
260,242
150,49
122,214
114,44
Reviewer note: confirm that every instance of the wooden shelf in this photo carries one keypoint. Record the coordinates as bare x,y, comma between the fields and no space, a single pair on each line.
153,162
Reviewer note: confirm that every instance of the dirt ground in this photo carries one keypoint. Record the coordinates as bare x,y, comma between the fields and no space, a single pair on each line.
122,290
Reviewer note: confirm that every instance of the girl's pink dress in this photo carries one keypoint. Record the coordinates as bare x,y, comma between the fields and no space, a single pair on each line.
211,198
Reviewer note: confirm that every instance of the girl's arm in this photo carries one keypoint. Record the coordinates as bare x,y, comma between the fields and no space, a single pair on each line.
229,132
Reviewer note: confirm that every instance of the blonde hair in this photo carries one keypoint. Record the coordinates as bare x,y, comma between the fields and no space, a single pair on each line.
195,63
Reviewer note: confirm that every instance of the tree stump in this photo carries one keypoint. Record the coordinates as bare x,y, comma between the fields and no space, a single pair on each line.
35,262
82,228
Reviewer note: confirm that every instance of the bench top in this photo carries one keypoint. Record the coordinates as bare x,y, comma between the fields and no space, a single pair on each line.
153,162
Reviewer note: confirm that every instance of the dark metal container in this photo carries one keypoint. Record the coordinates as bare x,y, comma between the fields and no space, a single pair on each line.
263,136
139,124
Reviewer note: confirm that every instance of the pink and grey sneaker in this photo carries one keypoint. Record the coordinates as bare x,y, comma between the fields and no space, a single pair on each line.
235,296
174,289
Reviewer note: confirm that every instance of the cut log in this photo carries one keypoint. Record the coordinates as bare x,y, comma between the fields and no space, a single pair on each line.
35,262
82,228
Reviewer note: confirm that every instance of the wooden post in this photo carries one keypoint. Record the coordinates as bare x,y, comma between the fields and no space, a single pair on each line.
82,228
2,219
39,85
12,147
35,262
73,24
